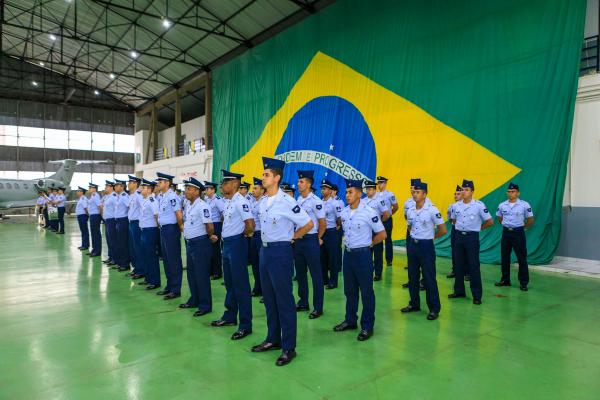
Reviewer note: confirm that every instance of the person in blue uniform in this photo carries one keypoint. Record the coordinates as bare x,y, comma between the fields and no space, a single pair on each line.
121,242
307,252
392,205
340,232
108,215
40,206
82,213
362,229
410,202
133,215
149,234
94,203
258,194
331,251
423,218
215,203
198,232
238,224
470,216
59,202
243,190
515,216
457,198
170,219
280,214
380,205
52,223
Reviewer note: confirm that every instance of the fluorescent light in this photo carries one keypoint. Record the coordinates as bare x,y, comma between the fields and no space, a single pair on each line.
166,23
134,54
52,37
41,64
112,76
97,92
34,83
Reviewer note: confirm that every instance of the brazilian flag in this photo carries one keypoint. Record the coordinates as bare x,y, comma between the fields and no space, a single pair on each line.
439,90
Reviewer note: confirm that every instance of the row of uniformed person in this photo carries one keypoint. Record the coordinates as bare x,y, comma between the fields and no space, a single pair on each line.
55,198
283,221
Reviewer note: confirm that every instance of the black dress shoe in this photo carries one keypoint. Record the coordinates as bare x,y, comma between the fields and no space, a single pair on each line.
405,285
143,283
302,308
60,233
315,314
344,326
456,295
502,283
364,335
524,288
152,287
265,346
330,286
123,269
186,305
240,334
94,255
162,293
107,261
82,248
136,276
285,358
171,296
200,313
262,300
477,302
409,309
376,278
220,322
432,316
451,275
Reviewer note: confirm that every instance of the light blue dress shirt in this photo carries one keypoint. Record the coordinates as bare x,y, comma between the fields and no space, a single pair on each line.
279,215
359,225
514,214
423,222
237,210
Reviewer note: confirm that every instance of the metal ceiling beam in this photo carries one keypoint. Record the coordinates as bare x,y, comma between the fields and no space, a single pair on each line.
306,5
159,17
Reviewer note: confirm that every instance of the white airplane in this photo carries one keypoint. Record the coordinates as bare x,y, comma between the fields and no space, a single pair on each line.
16,193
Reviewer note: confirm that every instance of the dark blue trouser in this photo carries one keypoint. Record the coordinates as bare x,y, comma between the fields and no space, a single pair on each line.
237,281
82,220
121,242
149,255
421,258
170,241
514,240
307,257
46,218
135,247
330,257
216,259
358,279
198,251
467,261
255,246
95,233
61,219
378,259
389,246
276,273
452,243
110,233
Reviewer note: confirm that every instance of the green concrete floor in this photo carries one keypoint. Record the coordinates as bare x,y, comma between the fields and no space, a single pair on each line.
72,329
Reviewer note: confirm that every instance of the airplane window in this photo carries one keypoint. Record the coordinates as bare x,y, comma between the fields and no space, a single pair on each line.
16,185
8,186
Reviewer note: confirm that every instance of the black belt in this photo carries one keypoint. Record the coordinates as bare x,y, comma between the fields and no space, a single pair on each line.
358,249
274,244
467,233
149,227
517,229
232,238
308,236
420,240
197,238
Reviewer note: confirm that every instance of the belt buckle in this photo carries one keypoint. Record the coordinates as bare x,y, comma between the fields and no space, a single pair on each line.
511,229
348,249
416,240
463,233
265,244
